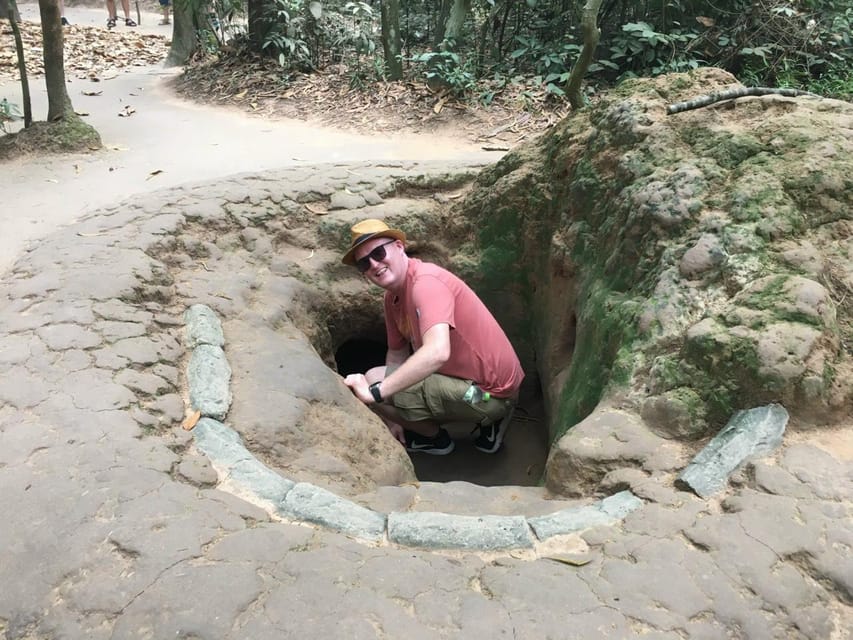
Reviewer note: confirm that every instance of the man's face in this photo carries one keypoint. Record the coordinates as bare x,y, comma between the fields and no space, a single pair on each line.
388,271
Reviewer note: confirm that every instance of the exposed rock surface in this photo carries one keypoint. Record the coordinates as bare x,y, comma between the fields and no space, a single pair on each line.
656,274
678,267
112,529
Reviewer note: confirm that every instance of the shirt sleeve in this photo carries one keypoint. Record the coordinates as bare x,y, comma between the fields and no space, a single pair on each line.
434,303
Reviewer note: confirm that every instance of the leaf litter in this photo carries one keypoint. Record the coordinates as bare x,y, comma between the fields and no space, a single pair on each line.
260,87
90,52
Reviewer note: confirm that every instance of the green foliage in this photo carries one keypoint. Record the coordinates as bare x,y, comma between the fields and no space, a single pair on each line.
9,112
285,36
802,44
446,70
640,50
793,44
308,36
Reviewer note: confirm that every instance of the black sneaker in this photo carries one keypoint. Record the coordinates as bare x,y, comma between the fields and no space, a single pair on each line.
492,436
440,445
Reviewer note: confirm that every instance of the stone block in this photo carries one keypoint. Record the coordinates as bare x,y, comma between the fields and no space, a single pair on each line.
316,505
444,531
262,481
209,375
749,433
203,327
220,443
606,512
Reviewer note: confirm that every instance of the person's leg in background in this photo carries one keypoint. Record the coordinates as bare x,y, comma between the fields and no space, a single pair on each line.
164,4
111,14
125,5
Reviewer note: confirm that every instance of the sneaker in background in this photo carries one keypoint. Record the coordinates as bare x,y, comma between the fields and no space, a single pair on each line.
440,445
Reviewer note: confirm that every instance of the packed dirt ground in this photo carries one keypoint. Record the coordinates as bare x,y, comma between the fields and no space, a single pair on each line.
259,87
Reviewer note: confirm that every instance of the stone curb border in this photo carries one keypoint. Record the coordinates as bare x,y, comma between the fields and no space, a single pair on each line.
209,375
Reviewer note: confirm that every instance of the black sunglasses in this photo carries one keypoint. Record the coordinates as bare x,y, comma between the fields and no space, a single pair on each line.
378,253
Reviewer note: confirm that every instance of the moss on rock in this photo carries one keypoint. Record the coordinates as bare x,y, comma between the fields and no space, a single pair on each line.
70,134
590,226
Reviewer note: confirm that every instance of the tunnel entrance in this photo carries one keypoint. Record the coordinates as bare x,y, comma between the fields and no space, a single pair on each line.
521,459
360,354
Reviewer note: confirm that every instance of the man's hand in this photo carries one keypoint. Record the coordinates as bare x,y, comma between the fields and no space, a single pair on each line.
358,385
397,431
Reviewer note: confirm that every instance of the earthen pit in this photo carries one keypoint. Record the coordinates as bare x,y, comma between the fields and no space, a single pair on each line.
520,461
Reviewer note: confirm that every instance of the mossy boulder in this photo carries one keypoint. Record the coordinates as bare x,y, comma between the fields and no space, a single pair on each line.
70,134
681,267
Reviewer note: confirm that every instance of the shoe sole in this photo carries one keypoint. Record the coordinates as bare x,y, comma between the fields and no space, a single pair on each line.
435,452
503,425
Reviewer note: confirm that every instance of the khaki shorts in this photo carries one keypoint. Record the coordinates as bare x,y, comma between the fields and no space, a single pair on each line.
439,398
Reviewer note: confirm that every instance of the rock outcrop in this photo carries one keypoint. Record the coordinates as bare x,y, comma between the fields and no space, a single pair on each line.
676,267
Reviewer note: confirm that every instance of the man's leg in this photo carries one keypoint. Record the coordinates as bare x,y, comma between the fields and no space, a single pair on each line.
111,9
392,418
125,5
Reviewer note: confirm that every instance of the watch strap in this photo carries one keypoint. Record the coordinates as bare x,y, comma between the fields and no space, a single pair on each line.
374,389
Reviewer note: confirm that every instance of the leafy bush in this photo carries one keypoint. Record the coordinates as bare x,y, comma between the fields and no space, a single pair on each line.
284,33
446,70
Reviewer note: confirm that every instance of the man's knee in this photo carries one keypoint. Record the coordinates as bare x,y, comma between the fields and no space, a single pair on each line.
376,374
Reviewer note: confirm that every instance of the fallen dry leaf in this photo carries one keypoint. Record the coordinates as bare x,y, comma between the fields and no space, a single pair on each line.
572,560
316,211
90,52
156,172
191,420
92,93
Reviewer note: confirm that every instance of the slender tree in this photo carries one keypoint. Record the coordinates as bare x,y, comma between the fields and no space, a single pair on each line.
58,102
391,42
591,33
8,8
257,28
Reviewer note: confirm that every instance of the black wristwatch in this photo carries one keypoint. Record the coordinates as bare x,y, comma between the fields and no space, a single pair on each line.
374,389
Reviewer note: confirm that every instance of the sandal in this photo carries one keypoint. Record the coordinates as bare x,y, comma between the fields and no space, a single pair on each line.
164,22
111,23
129,23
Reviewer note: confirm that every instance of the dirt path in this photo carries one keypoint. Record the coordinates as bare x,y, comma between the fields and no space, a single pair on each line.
165,142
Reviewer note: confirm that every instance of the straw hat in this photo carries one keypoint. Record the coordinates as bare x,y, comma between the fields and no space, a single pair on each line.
367,230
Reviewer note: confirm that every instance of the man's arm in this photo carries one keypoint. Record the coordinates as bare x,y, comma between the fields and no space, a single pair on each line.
434,352
432,355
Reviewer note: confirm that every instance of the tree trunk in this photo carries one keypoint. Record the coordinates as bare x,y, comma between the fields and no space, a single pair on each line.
9,11
257,28
22,65
487,26
58,102
184,41
590,41
441,22
391,44
454,29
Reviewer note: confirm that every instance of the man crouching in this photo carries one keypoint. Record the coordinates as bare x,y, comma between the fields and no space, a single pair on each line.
448,359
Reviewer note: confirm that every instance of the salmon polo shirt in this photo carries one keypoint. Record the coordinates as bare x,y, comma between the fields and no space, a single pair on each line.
479,349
